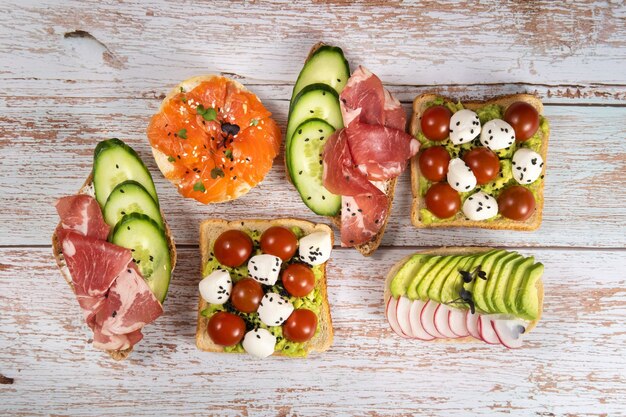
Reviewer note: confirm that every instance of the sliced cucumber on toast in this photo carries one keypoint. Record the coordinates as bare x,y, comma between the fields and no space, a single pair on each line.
130,197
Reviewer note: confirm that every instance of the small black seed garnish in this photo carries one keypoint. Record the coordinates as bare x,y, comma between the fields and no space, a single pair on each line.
114,314
117,166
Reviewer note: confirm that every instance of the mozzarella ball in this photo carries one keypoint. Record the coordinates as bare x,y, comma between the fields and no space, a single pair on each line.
259,343
464,126
480,206
315,248
497,134
215,288
265,268
274,309
527,166
460,176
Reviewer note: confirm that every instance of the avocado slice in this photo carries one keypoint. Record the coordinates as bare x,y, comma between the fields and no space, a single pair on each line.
507,274
478,289
411,290
514,284
434,291
527,299
451,286
430,276
406,273
496,273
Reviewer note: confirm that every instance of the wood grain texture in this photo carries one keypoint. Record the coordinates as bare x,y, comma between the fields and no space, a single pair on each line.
570,365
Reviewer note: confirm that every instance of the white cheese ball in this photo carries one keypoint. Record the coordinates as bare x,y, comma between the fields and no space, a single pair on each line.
497,134
216,287
259,343
464,126
315,248
527,166
265,268
274,309
460,176
480,206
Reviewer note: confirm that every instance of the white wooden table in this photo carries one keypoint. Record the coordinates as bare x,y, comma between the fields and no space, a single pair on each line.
63,90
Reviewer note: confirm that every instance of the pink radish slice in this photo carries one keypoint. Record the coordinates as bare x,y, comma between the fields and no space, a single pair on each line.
441,321
427,319
456,322
402,315
414,318
509,332
486,331
472,324
391,316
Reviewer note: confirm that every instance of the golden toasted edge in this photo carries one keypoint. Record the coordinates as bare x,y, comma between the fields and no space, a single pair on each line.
117,355
454,251
214,227
532,223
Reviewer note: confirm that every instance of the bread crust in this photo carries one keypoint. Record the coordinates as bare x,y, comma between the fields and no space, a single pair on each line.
117,355
530,224
455,251
212,228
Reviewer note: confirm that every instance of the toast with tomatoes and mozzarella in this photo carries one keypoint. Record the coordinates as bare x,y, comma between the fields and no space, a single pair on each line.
115,249
481,163
346,145
263,290
464,295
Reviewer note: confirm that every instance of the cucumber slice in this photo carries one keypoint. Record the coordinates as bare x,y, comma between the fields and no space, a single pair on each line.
130,197
151,253
115,162
305,156
326,66
317,101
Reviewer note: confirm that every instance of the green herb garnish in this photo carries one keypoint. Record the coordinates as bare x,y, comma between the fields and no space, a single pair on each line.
217,172
254,122
199,187
171,159
208,114
182,133
229,154
183,99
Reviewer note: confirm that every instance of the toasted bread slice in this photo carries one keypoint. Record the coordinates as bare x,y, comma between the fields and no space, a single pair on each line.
389,187
211,229
58,256
532,223
456,251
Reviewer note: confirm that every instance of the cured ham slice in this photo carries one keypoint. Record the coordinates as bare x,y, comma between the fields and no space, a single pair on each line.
362,217
116,342
81,214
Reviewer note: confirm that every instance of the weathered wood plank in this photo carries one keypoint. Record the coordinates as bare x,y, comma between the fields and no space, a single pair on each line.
572,51
47,143
571,364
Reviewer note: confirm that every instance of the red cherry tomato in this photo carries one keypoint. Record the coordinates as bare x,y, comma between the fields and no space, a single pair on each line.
300,326
232,248
436,123
484,163
516,203
226,329
246,295
524,119
434,163
279,241
442,200
298,280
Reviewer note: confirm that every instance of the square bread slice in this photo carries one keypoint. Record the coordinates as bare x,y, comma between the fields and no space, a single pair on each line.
209,232
419,106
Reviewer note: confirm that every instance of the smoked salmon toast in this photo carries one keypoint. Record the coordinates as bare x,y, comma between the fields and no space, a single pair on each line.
213,139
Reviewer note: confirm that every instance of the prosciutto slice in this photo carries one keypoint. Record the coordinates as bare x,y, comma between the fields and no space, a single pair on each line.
81,214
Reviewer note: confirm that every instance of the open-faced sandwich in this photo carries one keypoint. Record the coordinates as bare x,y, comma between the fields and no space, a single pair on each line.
264,287
481,164
463,294
213,139
115,249
346,145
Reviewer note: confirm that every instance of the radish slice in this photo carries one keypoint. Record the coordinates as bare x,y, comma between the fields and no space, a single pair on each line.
486,330
391,316
456,322
441,321
509,332
414,318
402,315
427,319
472,324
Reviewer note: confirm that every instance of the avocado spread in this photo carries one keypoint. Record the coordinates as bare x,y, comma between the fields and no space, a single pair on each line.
505,177
312,301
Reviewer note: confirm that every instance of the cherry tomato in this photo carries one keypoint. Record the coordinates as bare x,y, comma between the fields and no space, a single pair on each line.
279,241
434,163
226,329
300,326
524,119
246,295
484,163
436,123
442,200
516,203
232,248
298,280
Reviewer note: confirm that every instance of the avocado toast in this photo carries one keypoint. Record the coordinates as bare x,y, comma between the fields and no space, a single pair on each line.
445,294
